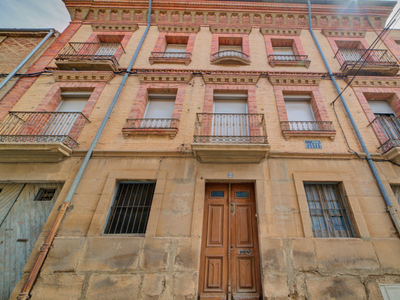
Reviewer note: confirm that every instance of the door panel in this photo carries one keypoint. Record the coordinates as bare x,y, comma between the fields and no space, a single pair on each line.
20,230
229,262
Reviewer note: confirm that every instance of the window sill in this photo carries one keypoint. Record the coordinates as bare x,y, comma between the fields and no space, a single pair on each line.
172,132
303,133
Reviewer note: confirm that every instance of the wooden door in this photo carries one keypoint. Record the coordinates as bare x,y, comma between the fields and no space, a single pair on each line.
229,263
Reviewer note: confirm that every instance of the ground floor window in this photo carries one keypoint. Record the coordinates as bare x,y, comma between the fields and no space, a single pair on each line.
131,208
329,216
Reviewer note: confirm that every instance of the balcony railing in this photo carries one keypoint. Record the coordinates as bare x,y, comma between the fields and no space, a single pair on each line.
42,127
230,128
307,126
374,61
225,55
388,132
90,51
151,126
290,60
173,57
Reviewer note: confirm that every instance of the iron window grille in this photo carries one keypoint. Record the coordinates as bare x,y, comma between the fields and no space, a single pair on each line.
131,208
329,216
45,195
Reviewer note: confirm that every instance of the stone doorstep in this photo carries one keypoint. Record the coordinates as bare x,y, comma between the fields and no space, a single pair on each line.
33,152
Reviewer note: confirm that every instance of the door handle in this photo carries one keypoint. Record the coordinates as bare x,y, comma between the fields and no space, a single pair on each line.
248,252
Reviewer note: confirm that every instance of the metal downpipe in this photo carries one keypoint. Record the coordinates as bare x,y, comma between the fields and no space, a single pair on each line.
23,62
24,294
371,164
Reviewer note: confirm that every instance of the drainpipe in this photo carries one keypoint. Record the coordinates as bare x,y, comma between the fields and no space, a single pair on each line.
23,62
24,294
371,164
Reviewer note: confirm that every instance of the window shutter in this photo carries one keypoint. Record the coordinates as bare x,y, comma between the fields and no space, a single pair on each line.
230,47
381,107
299,110
159,109
283,51
230,106
176,48
76,104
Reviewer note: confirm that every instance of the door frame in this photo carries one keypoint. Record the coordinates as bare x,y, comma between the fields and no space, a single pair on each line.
197,225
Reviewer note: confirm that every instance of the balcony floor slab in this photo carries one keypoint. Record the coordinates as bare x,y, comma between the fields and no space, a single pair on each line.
393,155
230,153
33,152
87,65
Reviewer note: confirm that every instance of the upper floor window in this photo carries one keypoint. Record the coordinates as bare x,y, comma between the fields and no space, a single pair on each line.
286,52
299,112
173,48
396,191
73,101
228,49
329,216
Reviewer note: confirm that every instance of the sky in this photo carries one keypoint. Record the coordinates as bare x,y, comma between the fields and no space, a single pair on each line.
45,14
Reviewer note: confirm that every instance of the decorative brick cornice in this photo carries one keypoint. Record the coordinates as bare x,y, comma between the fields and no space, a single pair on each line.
114,27
343,33
83,76
223,78
294,79
230,29
279,31
389,82
171,28
230,13
165,78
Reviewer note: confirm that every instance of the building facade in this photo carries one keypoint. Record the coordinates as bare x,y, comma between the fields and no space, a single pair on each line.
227,168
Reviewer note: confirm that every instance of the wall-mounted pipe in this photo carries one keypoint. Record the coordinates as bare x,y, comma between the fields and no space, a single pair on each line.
23,62
371,164
24,294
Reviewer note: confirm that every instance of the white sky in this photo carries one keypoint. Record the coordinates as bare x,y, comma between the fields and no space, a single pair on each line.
45,14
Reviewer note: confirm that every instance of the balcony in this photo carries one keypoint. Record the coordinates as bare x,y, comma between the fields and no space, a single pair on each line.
89,56
308,129
39,136
373,62
171,57
230,138
289,60
151,127
387,130
230,57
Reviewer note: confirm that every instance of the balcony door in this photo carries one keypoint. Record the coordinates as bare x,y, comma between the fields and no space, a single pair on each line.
175,50
159,110
67,114
386,118
230,116
299,112
229,261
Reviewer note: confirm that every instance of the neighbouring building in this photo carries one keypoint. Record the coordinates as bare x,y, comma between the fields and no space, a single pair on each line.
227,168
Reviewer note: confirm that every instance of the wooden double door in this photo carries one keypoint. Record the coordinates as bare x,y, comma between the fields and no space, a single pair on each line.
229,263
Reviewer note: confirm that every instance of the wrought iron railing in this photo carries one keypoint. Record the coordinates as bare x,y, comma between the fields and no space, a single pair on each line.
307,126
180,55
230,128
388,132
230,54
151,124
374,57
42,127
279,57
90,51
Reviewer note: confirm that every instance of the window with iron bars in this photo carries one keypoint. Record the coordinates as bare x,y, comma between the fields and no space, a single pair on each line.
329,216
131,208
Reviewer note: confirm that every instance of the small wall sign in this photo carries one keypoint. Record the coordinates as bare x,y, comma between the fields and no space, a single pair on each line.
313,144
230,175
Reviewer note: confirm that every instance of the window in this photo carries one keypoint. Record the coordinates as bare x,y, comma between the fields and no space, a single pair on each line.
230,44
73,101
328,213
283,53
131,208
175,50
386,118
159,110
396,192
227,49
230,115
299,112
